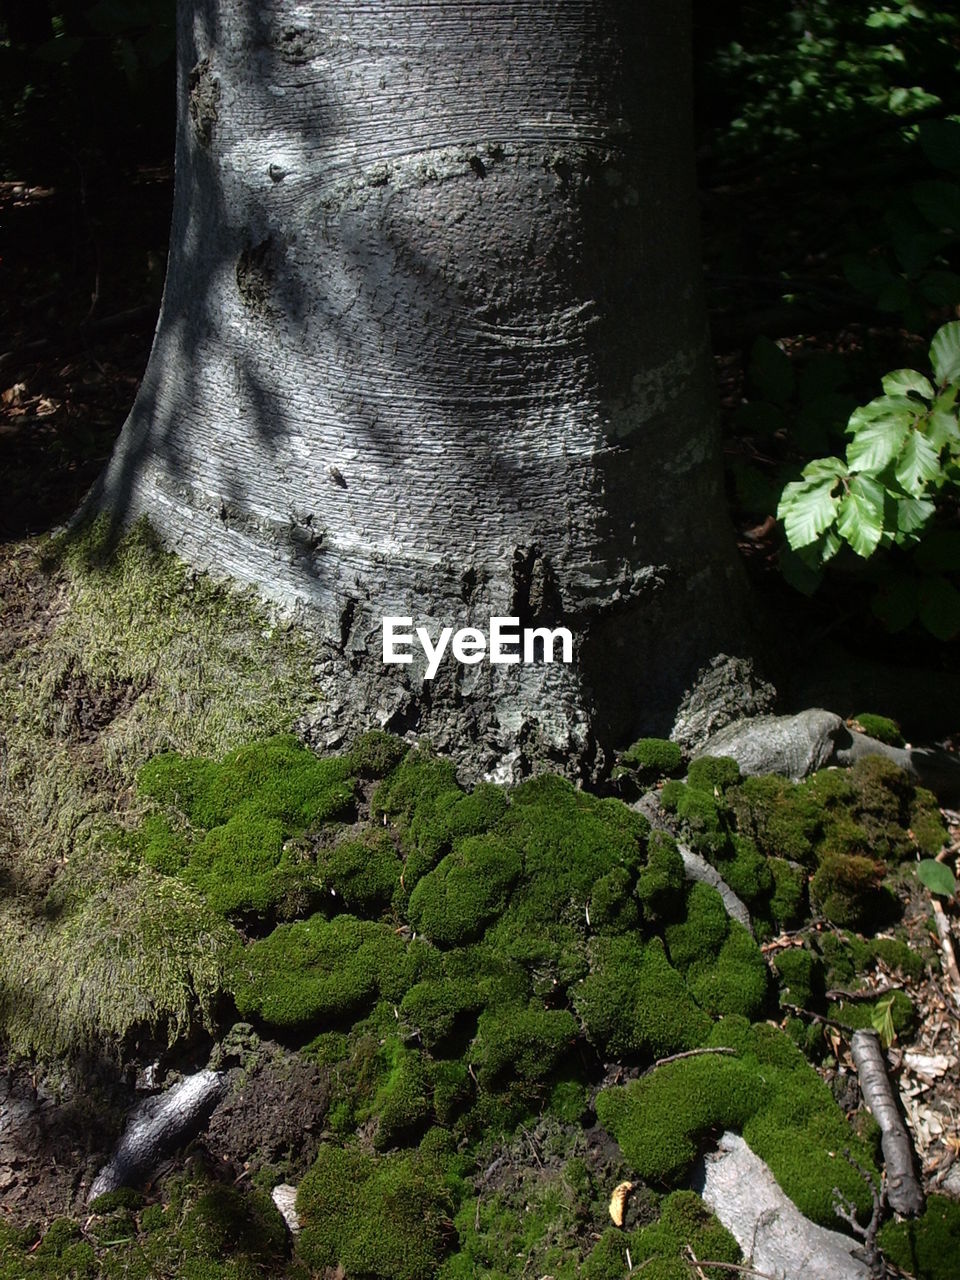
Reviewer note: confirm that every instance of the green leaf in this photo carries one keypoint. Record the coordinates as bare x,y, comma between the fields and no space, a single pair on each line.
822,468
942,288
771,372
937,876
938,604
807,508
919,462
945,353
802,576
881,1019
903,381
940,140
913,513
877,443
939,202
860,515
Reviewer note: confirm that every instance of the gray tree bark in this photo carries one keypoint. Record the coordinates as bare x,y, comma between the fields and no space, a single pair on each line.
432,345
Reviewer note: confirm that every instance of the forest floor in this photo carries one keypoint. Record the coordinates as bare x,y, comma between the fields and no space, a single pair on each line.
79,290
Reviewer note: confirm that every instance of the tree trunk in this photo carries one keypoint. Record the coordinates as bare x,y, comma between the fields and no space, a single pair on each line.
432,345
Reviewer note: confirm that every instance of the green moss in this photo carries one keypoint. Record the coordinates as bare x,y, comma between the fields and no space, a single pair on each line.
225,1221
713,774
612,904
767,1091
788,901
927,1247
142,957
781,817
435,1009
384,1216
321,970
452,904
404,1101
685,1223
362,875
653,757
129,654
801,976
735,981
375,753
926,823
880,727
635,1004
528,1042
702,824
848,890
854,1015
748,872
660,883
700,935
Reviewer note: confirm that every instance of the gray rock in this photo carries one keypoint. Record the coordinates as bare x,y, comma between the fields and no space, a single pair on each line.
794,746
798,745
775,1237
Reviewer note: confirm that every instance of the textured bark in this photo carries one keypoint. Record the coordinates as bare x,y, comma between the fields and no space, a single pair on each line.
432,345
904,1193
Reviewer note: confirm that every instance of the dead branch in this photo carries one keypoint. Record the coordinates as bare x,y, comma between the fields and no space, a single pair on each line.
903,1191
739,1267
846,1210
690,1053
946,945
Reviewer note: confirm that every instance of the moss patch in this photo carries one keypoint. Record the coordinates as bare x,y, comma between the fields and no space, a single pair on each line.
767,1091
927,1248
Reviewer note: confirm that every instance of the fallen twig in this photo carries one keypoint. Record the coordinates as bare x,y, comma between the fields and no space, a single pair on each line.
903,1191
846,1210
739,1267
946,946
691,1053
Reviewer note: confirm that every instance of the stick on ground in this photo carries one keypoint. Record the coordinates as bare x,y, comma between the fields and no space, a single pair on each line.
904,1194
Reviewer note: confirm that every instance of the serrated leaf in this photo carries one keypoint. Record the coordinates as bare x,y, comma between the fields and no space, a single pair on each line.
801,576
877,443
938,604
940,140
822,468
942,288
770,371
939,202
945,353
807,508
937,877
880,409
902,381
919,462
860,515
913,513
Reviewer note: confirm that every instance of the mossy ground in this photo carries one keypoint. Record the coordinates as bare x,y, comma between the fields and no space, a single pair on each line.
468,971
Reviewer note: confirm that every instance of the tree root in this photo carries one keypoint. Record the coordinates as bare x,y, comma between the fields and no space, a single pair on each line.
903,1190
157,1127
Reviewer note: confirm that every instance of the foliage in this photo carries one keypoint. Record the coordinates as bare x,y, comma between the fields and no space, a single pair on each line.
937,877
902,469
